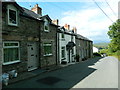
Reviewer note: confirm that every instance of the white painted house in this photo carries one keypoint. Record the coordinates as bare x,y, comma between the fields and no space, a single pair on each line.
95,49
67,48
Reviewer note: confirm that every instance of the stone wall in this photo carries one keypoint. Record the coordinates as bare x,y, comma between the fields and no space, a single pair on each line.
83,48
49,37
27,28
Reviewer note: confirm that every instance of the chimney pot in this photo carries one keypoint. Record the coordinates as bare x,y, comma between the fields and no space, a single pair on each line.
37,9
56,22
66,26
74,29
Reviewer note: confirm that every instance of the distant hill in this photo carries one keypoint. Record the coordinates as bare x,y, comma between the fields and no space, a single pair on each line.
101,45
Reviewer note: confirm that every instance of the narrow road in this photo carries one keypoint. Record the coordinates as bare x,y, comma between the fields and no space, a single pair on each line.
106,75
93,73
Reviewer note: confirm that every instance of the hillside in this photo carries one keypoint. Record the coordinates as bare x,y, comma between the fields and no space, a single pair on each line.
101,45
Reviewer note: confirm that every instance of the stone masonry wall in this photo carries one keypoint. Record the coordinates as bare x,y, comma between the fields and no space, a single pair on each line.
48,37
27,28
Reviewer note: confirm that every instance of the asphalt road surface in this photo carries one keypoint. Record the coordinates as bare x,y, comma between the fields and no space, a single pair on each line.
106,75
93,73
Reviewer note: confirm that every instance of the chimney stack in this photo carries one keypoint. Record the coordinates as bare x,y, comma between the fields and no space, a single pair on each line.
56,22
66,26
74,29
37,9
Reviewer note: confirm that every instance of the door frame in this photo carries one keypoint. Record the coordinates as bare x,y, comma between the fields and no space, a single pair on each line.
36,55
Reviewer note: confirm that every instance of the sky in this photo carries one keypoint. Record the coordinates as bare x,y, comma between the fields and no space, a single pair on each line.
85,15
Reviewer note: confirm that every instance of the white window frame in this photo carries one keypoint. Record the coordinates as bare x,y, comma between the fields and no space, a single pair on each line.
10,7
64,52
46,23
11,62
63,35
51,49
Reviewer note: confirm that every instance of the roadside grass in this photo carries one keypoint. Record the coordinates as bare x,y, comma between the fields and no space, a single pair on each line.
117,56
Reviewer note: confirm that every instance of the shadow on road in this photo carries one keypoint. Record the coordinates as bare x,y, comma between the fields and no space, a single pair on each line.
82,71
70,75
66,77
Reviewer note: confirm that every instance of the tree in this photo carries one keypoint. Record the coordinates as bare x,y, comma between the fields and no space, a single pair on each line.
114,34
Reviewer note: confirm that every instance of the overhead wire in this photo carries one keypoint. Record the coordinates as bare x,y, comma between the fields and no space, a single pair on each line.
63,9
110,7
103,11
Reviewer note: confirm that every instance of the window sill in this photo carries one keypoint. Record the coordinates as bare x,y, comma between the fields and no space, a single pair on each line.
63,58
46,30
11,62
10,24
48,55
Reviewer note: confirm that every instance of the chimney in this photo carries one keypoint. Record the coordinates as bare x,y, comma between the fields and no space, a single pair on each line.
37,9
66,26
56,22
74,29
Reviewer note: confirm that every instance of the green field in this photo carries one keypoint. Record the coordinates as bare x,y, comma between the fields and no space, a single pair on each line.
101,45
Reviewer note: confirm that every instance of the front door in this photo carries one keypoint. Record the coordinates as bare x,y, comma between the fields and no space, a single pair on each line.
69,56
33,56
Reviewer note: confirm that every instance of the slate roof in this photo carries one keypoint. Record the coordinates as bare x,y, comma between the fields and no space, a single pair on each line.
39,17
82,37
30,13
65,31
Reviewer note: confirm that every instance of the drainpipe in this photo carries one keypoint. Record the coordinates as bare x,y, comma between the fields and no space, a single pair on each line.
39,44
57,41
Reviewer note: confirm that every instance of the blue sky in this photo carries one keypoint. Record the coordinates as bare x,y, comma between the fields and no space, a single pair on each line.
85,16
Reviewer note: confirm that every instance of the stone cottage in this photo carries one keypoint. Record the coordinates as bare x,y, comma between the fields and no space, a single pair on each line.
20,36
48,39
29,39
83,47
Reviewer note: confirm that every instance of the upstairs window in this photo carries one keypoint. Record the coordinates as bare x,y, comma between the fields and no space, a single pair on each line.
46,25
12,16
62,35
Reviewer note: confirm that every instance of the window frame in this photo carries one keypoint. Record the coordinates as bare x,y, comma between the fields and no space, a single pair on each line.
47,44
13,9
15,61
46,24
64,52
62,36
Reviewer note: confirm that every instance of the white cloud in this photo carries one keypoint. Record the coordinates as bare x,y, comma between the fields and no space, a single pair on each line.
91,22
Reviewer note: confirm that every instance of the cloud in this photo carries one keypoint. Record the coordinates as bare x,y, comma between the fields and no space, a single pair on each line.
90,22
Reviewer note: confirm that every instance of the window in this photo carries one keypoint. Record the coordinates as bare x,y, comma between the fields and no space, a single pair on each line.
62,35
63,52
12,16
46,26
10,52
47,49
